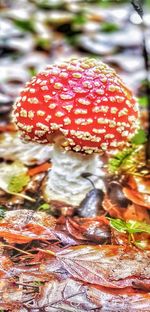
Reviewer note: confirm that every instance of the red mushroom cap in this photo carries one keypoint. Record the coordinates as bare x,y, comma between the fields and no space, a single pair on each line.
85,100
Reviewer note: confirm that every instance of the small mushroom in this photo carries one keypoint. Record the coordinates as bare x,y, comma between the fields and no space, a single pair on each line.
84,108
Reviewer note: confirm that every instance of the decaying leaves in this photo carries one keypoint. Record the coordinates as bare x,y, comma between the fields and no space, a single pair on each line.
22,226
109,266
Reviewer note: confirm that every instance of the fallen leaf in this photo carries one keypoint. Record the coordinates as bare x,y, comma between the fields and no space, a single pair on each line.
22,226
137,198
89,229
107,265
13,177
119,301
71,297
75,296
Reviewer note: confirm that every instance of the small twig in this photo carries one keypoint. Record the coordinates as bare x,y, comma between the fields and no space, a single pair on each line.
21,195
49,252
12,247
26,285
32,263
26,197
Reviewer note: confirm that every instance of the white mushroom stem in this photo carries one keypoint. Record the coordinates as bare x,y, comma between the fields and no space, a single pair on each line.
64,181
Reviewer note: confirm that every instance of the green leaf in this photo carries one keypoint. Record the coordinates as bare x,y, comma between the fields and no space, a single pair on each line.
130,226
43,43
44,206
26,25
109,27
79,19
49,4
32,71
118,160
137,227
139,138
118,224
38,283
13,178
141,244
143,101
2,212
18,182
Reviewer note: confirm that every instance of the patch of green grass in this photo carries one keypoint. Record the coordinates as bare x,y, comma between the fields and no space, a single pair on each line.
109,27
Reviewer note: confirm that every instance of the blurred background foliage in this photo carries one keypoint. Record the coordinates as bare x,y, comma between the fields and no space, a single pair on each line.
37,32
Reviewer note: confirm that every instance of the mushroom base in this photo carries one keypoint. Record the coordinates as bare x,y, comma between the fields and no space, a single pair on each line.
65,182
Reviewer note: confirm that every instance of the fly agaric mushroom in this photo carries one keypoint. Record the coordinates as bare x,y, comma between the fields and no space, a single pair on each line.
84,108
